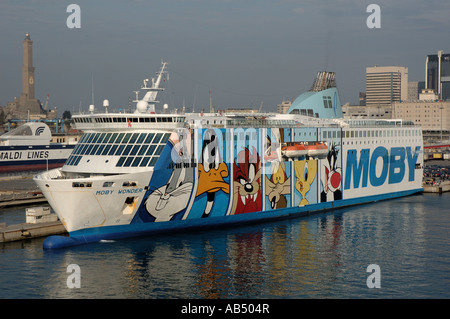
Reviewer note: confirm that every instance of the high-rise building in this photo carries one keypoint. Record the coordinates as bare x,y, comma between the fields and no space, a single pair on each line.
386,85
437,74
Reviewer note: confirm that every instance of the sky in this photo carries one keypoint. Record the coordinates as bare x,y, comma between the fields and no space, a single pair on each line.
249,53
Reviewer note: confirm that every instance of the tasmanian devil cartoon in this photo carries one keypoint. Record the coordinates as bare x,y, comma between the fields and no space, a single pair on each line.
247,181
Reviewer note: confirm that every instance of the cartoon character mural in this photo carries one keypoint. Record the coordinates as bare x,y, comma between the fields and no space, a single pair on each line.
171,185
164,202
331,177
212,175
305,173
247,182
278,186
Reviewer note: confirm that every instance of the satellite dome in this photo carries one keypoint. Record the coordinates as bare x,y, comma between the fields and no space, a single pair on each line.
141,106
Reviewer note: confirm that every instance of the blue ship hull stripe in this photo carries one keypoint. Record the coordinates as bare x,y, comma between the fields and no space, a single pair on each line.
96,234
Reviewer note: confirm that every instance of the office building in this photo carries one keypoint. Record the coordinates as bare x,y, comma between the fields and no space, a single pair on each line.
437,74
385,85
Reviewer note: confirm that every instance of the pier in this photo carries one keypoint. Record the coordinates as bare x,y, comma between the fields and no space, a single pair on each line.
19,190
27,230
436,177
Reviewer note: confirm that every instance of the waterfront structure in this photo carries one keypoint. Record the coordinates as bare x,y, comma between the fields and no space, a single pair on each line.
368,112
437,74
432,115
385,85
143,173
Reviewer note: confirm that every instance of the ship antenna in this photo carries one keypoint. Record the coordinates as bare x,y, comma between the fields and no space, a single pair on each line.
92,80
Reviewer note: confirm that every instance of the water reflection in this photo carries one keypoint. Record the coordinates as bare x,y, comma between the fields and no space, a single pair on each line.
320,256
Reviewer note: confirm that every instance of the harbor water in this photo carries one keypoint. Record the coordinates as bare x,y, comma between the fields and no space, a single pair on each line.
391,249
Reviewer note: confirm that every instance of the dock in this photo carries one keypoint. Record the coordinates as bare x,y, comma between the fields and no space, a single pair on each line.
27,231
438,188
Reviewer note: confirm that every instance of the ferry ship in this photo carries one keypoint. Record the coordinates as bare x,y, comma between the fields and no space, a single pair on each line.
145,173
29,147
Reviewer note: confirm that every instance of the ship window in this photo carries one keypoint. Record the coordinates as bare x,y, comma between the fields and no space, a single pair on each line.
90,137
120,150
120,161
119,138
135,149
152,119
97,135
127,150
106,149
149,138
136,161
102,136
113,150
166,138
129,184
88,150
81,184
151,150
153,161
126,138
144,161
84,137
141,138
94,149
108,184
112,137
159,149
100,150
134,138
157,138
77,148
128,161
143,149
83,150
69,160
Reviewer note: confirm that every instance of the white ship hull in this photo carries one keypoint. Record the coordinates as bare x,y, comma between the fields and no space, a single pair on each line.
94,201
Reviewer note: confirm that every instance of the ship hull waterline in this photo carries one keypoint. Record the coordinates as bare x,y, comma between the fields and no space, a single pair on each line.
97,234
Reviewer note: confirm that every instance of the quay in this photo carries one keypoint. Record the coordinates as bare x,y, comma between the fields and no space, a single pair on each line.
438,188
436,177
40,222
26,231
19,190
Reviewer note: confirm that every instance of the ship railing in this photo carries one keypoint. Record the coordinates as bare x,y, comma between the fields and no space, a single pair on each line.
379,123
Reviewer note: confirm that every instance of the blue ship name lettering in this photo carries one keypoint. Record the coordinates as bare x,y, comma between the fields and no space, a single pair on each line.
105,192
393,169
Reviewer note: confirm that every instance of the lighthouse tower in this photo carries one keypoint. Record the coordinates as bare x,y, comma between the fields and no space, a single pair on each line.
27,101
